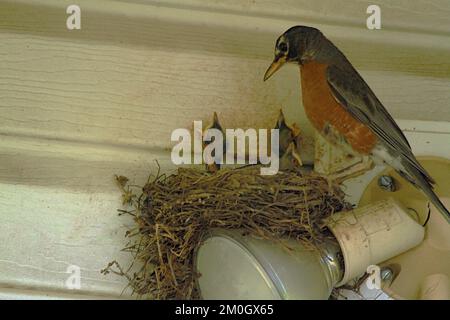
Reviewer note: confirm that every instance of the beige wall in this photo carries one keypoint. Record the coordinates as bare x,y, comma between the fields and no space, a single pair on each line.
136,71
80,106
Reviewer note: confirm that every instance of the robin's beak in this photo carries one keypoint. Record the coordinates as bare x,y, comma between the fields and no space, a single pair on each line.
276,64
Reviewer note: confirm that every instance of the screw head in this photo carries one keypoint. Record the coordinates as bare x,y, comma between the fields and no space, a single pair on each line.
386,274
387,183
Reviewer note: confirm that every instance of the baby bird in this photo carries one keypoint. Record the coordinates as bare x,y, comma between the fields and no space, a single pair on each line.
215,162
290,159
289,144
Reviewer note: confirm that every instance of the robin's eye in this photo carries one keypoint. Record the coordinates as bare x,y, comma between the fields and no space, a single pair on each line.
282,46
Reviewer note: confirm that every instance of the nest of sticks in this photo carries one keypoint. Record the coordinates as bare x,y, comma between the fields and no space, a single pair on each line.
174,212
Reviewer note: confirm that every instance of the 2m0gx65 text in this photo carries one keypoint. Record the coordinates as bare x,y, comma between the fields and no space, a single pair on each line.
250,309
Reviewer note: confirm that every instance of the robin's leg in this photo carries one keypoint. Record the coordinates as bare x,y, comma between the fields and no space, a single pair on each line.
357,169
337,161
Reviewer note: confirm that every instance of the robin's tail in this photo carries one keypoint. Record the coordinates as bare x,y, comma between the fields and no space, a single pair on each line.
421,181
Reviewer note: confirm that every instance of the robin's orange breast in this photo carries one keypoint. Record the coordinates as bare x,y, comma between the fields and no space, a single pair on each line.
326,114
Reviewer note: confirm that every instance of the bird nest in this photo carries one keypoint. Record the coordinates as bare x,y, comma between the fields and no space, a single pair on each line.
174,212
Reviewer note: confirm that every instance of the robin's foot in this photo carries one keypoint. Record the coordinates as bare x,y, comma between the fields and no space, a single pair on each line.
352,171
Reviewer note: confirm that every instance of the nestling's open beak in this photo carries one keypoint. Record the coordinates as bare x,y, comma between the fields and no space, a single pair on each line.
276,64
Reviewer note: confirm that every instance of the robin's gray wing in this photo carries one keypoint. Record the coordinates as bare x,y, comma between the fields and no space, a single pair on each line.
352,92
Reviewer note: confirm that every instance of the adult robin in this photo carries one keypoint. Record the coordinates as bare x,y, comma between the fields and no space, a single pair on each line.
344,110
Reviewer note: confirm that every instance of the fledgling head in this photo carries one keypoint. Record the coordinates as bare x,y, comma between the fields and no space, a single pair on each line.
215,165
290,159
285,133
298,44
